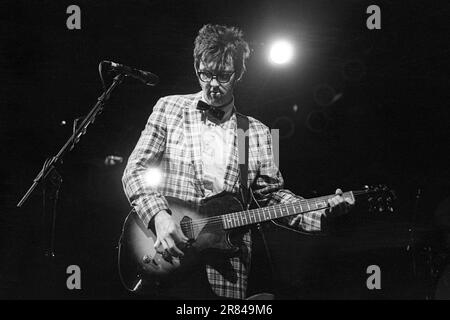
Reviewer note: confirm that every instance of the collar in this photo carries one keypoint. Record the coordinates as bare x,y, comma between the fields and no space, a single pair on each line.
229,109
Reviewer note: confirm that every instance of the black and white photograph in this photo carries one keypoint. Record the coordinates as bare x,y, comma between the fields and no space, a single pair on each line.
235,151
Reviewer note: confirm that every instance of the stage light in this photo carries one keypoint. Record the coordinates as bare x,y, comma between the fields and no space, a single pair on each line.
152,177
281,52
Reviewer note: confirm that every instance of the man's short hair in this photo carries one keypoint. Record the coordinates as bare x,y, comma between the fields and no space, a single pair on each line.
218,44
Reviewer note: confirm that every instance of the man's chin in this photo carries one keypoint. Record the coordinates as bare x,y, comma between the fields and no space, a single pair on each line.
215,102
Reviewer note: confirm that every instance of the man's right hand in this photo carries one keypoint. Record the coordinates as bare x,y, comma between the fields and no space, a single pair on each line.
168,234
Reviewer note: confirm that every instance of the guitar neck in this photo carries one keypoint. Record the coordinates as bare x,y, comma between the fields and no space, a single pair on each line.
252,216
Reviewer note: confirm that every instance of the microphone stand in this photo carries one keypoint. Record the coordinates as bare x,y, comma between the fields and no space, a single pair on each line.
49,176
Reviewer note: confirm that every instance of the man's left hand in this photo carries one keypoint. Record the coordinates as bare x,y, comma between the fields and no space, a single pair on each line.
338,205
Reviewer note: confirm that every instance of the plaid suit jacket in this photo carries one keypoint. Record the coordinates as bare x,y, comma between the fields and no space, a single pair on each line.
171,141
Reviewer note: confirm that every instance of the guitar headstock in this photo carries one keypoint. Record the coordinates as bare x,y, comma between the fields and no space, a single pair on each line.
380,198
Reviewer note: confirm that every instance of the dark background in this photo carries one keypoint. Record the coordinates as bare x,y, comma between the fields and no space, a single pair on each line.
371,107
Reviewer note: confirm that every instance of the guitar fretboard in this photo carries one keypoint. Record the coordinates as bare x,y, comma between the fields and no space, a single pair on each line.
247,217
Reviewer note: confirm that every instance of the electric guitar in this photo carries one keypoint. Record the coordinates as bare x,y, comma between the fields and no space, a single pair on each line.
215,230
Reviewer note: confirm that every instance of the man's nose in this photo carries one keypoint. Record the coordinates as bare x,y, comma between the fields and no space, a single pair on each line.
214,82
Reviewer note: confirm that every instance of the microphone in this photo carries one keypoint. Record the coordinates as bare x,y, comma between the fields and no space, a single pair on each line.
146,77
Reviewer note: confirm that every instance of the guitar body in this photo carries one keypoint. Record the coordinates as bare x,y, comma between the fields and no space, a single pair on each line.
142,266
215,230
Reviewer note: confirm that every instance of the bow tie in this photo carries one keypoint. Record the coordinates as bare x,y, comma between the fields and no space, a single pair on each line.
215,112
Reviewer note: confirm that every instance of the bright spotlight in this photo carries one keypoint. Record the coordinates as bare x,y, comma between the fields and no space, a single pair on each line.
281,52
152,177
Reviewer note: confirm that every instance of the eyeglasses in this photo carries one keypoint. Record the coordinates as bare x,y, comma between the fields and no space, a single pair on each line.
222,77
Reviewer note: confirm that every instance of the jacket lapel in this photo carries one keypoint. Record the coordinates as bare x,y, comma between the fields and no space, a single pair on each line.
232,172
192,123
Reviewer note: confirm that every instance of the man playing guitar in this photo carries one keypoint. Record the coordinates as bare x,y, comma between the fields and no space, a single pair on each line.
192,140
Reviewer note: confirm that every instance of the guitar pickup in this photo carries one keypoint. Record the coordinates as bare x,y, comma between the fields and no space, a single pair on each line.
150,262
167,256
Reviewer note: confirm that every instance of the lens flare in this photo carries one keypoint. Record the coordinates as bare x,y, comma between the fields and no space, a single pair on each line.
281,52
152,177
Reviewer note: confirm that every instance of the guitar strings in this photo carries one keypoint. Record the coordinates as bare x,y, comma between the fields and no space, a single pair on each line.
290,205
259,211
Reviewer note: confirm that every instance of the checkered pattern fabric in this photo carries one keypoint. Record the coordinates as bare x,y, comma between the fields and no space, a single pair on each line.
171,141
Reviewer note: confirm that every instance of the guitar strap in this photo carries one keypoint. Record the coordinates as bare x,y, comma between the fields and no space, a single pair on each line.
243,126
